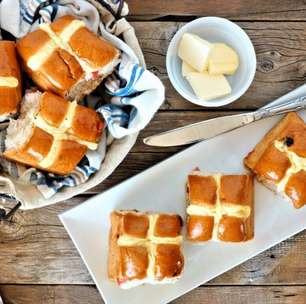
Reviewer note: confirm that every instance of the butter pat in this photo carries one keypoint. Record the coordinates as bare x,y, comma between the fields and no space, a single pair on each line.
208,86
186,69
222,60
194,51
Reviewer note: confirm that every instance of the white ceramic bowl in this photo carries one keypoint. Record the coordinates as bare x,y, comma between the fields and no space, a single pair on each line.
214,29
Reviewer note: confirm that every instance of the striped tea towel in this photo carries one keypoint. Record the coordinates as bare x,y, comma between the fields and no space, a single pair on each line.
134,93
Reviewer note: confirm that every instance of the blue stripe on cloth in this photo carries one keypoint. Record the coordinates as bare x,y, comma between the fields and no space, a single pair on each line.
86,170
26,19
32,11
54,11
83,170
69,181
46,14
22,7
130,86
140,74
52,183
33,6
77,177
48,9
29,16
14,170
39,2
92,170
113,114
133,115
132,91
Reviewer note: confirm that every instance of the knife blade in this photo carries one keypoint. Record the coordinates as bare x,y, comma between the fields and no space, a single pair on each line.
212,127
199,131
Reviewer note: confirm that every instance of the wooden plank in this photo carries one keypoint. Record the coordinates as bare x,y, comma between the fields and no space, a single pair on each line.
35,249
281,57
242,295
69,294
44,294
235,9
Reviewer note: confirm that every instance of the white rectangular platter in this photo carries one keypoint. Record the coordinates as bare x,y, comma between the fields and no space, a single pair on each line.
162,188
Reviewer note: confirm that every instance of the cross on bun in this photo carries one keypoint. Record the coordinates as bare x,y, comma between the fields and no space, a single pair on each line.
10,80
51,133
144,248
66,58
279,159
220,207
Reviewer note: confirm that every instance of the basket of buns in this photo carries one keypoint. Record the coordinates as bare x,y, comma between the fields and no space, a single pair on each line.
74,93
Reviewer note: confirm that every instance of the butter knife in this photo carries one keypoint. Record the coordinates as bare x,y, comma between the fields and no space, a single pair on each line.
213,127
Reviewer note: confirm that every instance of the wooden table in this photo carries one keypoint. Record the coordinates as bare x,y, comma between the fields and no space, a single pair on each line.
39,263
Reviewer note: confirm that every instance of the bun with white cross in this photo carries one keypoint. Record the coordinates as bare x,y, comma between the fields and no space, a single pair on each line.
66,58
144,248
220,207
10,80
279,159
52,133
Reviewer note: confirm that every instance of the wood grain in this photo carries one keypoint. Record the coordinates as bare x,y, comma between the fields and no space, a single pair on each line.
281,57
235,9
242,295
14,294
23,294
35,249
34,246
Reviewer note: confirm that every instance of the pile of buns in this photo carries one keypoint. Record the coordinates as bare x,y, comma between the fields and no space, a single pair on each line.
66,61
145,248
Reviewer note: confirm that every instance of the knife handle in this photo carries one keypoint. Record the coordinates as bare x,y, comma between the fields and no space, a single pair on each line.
289,106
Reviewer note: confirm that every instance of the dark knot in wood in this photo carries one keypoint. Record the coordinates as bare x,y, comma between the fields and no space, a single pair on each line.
266,65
